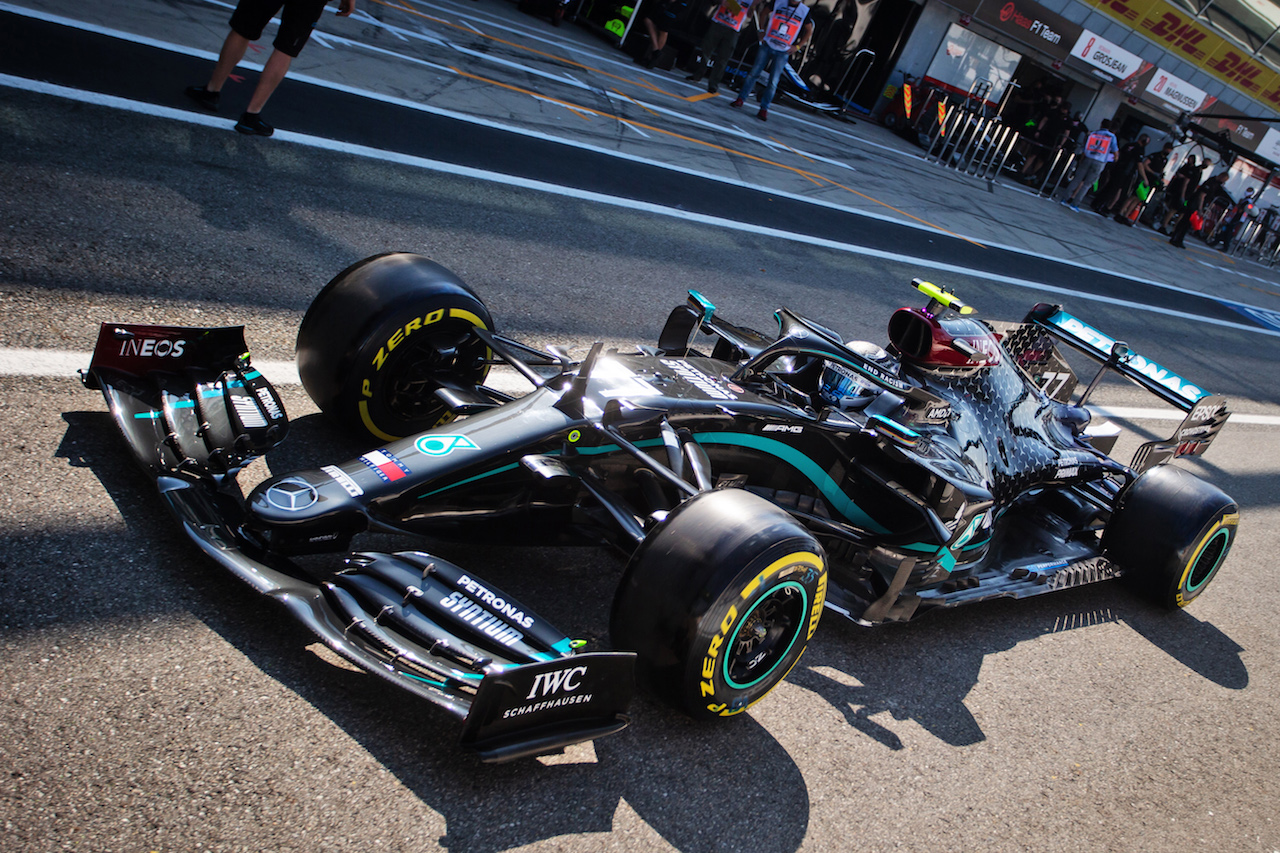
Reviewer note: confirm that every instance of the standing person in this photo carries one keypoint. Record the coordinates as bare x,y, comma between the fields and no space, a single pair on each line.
1150,171
1117,180
1044,137
1099,150
720,41
1228,229
247,23
787,31
1074,133
1181,186
1200,199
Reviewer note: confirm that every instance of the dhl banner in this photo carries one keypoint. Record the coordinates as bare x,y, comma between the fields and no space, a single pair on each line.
1180,34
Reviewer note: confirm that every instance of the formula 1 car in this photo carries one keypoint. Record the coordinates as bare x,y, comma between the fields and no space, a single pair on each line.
754,480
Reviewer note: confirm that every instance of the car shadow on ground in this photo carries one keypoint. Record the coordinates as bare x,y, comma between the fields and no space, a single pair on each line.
679,777
923,671
674,774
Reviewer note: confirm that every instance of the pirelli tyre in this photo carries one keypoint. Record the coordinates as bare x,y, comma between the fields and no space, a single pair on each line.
720,602
382,337
1170,534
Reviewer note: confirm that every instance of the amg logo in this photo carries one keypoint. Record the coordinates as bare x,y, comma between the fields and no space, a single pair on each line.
548,683
268,403
248,412
480,619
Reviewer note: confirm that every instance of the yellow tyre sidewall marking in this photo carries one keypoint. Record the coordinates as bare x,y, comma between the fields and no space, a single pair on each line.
402,333
1226,522
710,659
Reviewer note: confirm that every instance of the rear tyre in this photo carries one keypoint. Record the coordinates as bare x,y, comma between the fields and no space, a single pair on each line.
720,601
382,336
1171,533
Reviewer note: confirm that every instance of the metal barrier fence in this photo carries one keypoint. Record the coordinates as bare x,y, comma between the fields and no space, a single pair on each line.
1258,240
968,140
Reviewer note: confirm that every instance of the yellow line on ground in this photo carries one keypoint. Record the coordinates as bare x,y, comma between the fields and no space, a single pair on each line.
1259,289
573,108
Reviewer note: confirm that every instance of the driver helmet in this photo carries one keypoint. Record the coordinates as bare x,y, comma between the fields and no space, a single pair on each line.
844,388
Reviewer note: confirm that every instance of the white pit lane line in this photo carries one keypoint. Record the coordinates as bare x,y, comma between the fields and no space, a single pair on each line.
287,137
419,162
64,363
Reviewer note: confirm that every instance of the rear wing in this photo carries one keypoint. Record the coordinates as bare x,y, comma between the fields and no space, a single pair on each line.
1206,412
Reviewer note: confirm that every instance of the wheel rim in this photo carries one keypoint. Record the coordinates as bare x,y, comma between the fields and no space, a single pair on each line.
1208,560
446,352
766,635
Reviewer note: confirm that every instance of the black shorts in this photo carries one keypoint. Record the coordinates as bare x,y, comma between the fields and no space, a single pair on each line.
296,21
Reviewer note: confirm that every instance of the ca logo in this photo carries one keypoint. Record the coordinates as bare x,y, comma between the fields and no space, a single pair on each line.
442,445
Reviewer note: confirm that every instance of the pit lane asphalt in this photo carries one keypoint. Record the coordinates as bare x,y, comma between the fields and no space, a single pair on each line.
152,703
91,61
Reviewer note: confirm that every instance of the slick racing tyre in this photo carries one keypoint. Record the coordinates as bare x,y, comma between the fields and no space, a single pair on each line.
1170,534
382,336
720,601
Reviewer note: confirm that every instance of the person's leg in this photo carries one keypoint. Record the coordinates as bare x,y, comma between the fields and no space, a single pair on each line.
229,57
272,73
762,56
775,74
724,51
1126,209
1077,181
720,60
1085,176
705,49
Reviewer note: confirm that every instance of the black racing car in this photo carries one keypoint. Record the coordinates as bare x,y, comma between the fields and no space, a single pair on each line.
755,480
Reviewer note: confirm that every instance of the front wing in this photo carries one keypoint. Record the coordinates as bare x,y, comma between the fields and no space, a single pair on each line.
194,412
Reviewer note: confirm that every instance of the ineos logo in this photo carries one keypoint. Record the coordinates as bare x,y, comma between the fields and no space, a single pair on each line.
153,348
292,495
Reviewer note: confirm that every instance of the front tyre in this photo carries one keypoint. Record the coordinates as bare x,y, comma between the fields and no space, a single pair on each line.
383,336
1171,533
720,601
